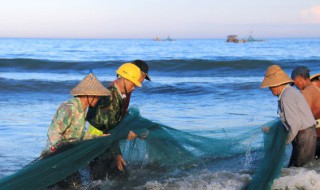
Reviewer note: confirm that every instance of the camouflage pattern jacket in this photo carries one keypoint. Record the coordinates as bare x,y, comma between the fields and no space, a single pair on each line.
108,111
68,124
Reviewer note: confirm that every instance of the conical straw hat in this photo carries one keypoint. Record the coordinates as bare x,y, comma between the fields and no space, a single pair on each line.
315,76
90,85
275,76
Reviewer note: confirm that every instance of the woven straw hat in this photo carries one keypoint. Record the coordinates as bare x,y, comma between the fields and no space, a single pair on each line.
275,76
90,85
315,76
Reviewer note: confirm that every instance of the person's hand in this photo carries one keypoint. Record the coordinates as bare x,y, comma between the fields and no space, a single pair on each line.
265,129
120,162
132,135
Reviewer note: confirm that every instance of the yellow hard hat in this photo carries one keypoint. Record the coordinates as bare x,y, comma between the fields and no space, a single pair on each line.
131,72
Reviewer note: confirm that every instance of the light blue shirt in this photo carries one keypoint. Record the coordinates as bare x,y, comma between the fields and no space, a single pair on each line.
294,112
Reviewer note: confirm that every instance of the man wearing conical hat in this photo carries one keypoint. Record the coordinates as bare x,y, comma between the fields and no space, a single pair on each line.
315,79
65,129
68,123
107,114
301,77
295,114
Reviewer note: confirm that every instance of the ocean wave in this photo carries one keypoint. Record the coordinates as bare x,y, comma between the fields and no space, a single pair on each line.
57,83
31,86
179,67
58,77
48,65
51,77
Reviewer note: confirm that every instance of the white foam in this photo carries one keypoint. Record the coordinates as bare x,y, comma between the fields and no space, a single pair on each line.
206,180
297,179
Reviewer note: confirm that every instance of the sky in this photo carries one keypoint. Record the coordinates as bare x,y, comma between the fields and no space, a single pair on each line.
136,19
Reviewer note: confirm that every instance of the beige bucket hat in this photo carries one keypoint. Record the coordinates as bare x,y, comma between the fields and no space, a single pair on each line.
275,76
315,76
90,85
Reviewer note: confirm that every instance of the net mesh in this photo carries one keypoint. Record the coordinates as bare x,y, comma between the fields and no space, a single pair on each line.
273,159
159,146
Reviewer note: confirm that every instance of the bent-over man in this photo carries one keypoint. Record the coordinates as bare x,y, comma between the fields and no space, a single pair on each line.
295,114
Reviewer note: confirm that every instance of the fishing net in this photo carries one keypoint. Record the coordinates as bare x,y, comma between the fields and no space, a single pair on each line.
273,159
158,146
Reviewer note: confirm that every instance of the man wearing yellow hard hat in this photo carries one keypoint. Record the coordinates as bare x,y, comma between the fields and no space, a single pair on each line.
108,113
69,122
295,114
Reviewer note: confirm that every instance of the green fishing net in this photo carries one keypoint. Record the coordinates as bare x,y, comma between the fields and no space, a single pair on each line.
273,159
158,146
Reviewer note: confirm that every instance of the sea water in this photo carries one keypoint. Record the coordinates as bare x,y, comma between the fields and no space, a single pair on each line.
199,86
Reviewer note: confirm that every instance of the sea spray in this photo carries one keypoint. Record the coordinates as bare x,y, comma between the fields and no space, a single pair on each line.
297,179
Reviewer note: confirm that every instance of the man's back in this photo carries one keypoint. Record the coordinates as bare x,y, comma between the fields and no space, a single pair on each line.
312,95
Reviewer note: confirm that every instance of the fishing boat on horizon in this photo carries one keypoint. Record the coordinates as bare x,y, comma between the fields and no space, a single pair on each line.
167,39
251,39
234,39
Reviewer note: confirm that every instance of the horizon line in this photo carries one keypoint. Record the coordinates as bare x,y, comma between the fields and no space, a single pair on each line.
89,38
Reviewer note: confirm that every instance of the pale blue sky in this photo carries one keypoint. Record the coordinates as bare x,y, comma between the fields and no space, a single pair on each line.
151,18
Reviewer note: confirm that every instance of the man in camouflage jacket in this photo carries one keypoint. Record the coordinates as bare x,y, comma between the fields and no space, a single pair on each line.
68,124
108,113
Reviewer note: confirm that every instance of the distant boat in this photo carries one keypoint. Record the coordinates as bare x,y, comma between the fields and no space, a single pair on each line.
234,39
159,39
251,39
169,39
156,39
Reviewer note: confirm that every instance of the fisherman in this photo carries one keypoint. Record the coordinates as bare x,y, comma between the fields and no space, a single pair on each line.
301,77
108,113
144,68
69,122
295,114
315,79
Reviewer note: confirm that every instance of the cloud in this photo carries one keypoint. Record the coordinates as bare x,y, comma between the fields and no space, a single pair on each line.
311,15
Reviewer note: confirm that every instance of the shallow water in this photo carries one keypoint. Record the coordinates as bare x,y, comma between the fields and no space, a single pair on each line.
199,86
